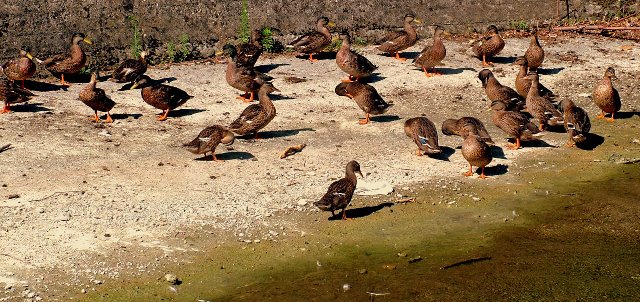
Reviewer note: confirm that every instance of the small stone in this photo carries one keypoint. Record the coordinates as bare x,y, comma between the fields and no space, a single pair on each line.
31,295
65,217
13,196
475,198
415,259
97,282
84,291
363,271
389,266
171,278
302,202
346,287
40,210
402,254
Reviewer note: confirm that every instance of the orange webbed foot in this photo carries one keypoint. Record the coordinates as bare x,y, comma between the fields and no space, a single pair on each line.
468,173
109,119
419,152
513,147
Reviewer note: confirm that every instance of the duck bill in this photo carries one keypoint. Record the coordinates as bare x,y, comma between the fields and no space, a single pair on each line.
29,56
418,21
359,172
134,86
86,40
331,24
219,53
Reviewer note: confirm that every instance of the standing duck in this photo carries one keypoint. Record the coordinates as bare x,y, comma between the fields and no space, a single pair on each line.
535,53
515,124
10,94
466,126
498,92
243,77
423,132
340,192
539,107
130,69
366,96
477,153
208,139
314,42
161,96
432,54
607,97
488,46
249,53
96,99
70,63
256,116
523,84
351,62
576,122
397,41
20,69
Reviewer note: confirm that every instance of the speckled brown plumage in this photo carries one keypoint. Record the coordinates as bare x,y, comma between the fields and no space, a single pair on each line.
498,92
576,122
130,69
606,96
256,116
477,153
340,192
523,84
432,55
535,52
466,126
21,68
208,139
11,94
397,41
366,96
70,63
248,53
539,107
488,46
96,99
515,124
161,96
351,62
424,134
241,77
316,41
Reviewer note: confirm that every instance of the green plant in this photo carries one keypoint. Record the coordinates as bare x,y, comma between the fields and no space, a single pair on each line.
85,70
184,51
245,31
267,42
171,52
136,39
519,25
334,46
359,41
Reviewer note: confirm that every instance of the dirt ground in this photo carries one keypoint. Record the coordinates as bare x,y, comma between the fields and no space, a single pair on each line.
71,189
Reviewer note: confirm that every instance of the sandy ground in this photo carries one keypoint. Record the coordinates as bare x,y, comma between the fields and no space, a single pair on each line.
71,189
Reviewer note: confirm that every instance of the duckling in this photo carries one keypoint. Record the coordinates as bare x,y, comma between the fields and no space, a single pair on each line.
256,116
340,192
488,46
576,122
397,41
515,124
314,42
21,68
477,153
249,53
208,139
607,97
69,63
498,92
539,107
96,99
432,54
161,96
10,94
466,126
535,52
366,96
242,77
351,62
130,69
423,132
523,85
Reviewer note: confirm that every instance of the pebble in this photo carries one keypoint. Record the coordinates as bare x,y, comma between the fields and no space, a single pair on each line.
346,287
84,291
363,271
302,202
171,278
65,217
415,259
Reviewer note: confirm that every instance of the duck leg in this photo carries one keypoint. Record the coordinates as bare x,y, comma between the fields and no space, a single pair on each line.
611,119
23,85
419,152
256,136
484,61
95,117
365,120
311,58
62,82
482,175
6,108
601,115
570,143
541,127
470,172
344,214
426,72
516,146
399,58
164,115
247,97
213,154
109,119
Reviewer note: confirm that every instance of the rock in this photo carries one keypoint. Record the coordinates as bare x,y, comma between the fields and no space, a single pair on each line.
65,217
346,287
389,266
84,291
373,188
415,259
363,271
302,202
402,254
171,278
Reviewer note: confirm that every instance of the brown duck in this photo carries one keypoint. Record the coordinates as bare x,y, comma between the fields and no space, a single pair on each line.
20,69
351,62
477,153
498,92
433,54
70,63
466,126
539,107
515,124
96,99
523,84
208,139
488,46
249,53
576,122
423,132
161,96
397,41
243,77
607,97
535,52
256,116
130,69
366,96
314,42
340,192
11,94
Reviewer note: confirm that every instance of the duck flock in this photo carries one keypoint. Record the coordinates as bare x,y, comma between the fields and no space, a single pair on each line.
523,113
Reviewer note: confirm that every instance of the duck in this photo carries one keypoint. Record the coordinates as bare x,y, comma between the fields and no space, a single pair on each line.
316,41
423,132
21,68
488,46
243,77
366,96
540,108
351,62
340,192
606,96
256,116
161,96
466,126
11,94
208,139
248,53
576,122
96,99
523,85
130,69
70,63
477,153
396,41
498,92
515,124
432,55
535,52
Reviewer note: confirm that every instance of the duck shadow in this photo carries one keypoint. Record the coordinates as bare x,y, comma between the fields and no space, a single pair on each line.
385,118
277,133
626,115
328,55
496,170
592,142
362,212
280,97
42,86
497,152
78,78
503,60
230,155
449,71
550,71
376,77
127,86
556,129
444,155
410,55
30,107
268,67
185,112
124,116
535,144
